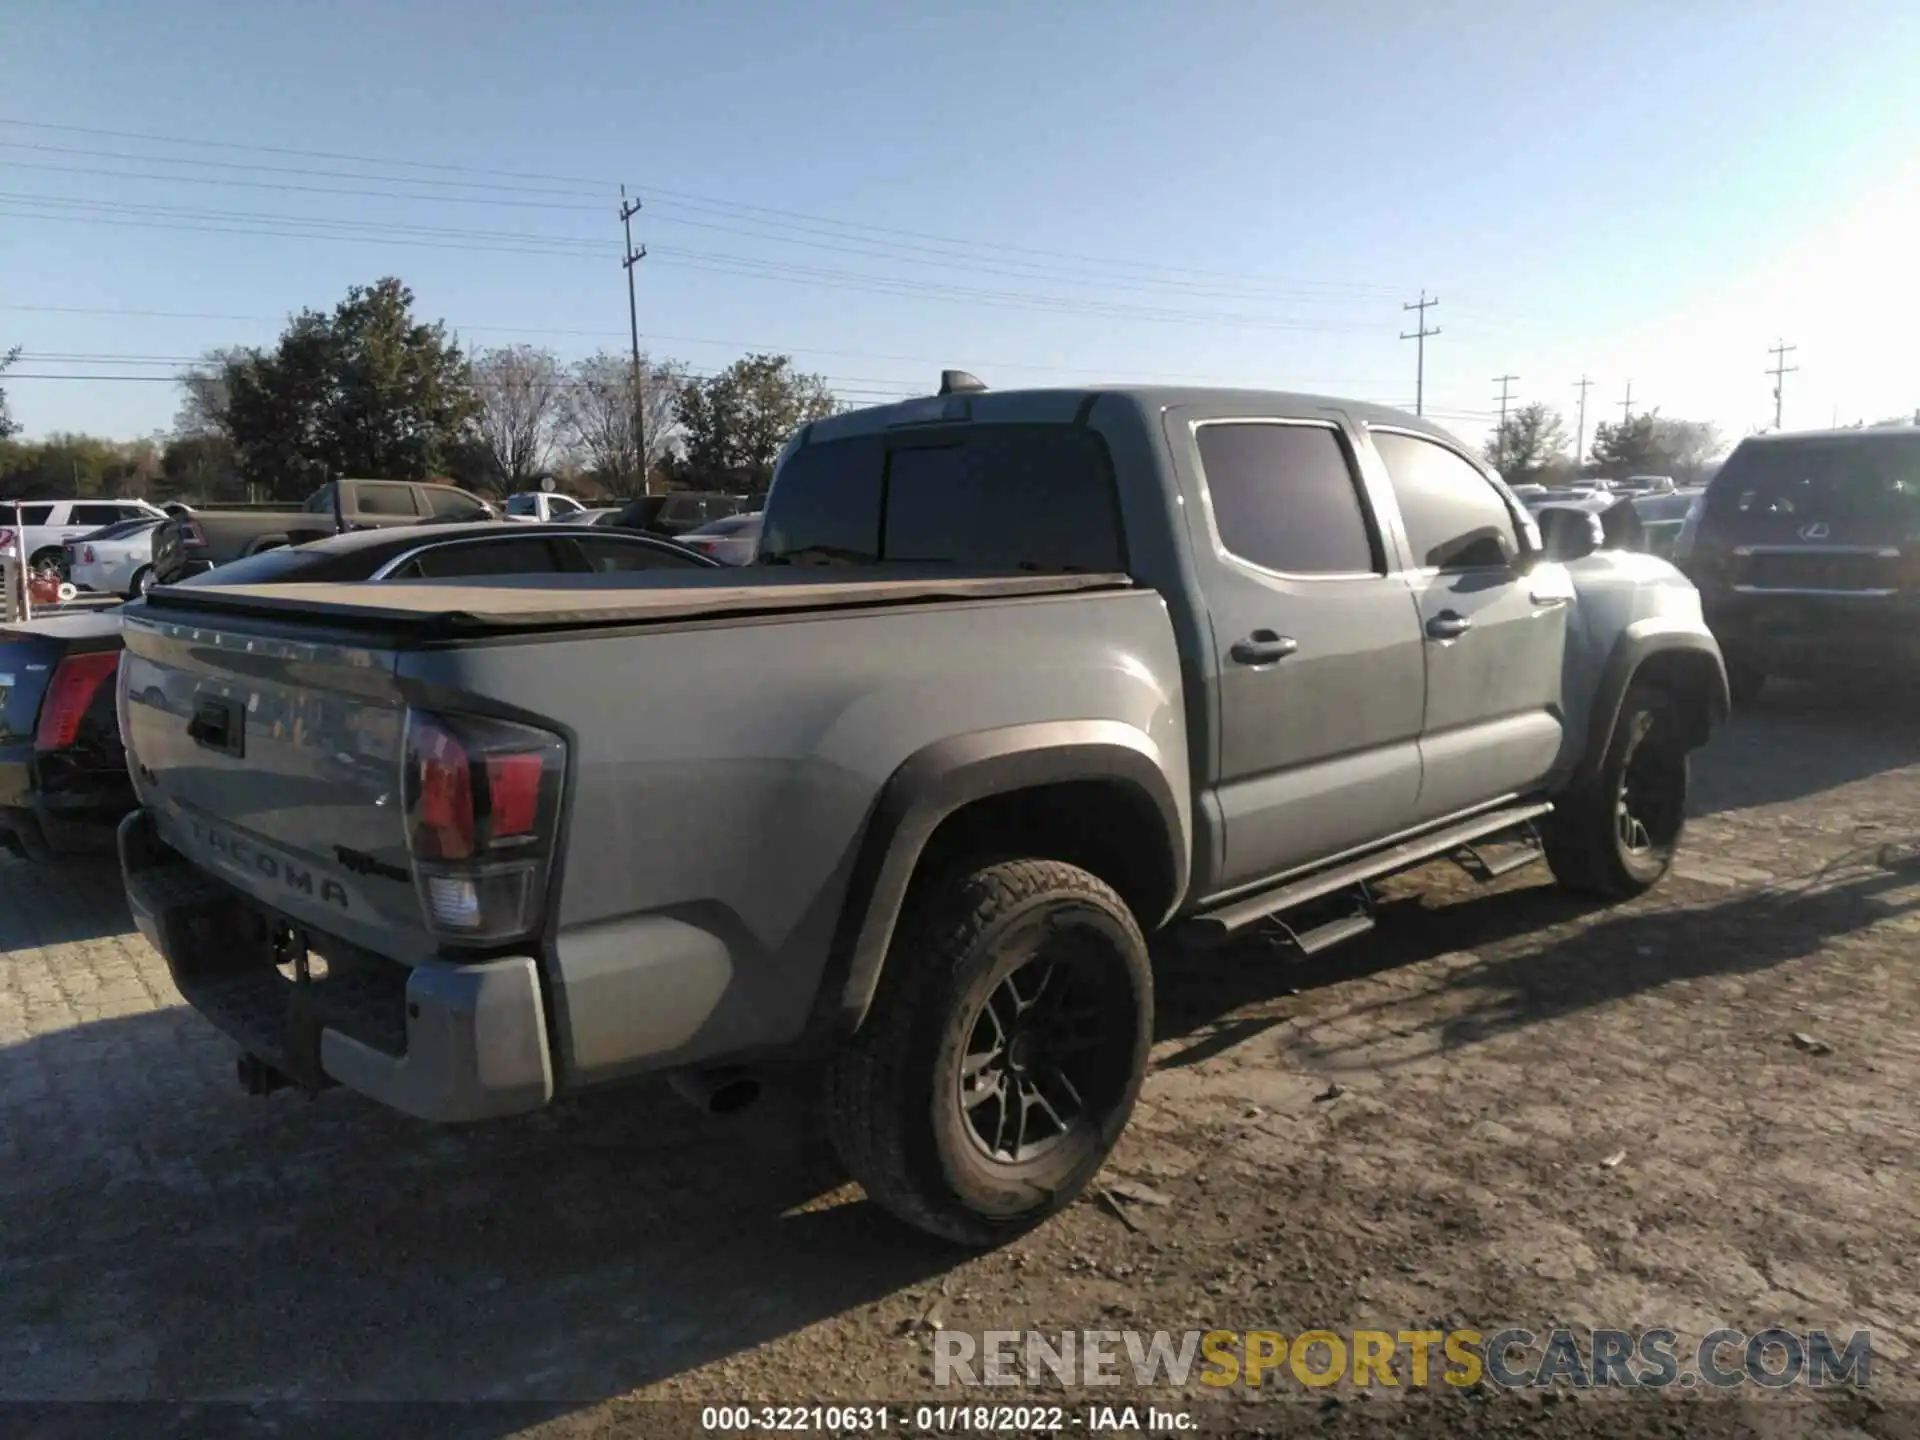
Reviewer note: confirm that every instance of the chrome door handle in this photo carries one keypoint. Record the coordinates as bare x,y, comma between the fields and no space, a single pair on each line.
1552,598
1448,625
1263,647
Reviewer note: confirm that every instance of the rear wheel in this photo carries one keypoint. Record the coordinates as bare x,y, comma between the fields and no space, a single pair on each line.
1002,1054
141,583
1616,837
53,558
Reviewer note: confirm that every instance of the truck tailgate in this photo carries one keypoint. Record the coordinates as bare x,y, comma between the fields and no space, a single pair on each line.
275,762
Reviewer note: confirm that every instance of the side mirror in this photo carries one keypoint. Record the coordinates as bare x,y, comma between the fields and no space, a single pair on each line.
1567,533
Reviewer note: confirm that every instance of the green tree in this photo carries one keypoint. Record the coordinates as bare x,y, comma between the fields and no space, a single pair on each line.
1531,443
1652,444
366,390
734,424
9,427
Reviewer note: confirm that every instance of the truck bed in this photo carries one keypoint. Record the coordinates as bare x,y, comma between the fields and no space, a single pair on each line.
506,604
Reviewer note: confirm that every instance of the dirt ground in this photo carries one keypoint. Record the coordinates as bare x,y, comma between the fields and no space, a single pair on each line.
1499,1108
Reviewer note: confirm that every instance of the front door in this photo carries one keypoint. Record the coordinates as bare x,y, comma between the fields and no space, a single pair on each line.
1317,649
1495,632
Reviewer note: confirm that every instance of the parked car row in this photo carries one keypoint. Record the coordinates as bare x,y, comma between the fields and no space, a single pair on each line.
1019,680
63,774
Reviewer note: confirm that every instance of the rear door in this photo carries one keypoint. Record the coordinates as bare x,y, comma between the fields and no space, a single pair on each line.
1494,637
1316,643
383,502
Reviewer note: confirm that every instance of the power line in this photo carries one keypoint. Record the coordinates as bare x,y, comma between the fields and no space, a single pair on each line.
1423,304
1504,381
772,346
899,252
714,262
603,186
1583,384
1780,371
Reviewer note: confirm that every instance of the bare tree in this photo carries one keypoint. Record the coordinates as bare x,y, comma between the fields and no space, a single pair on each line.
597,415
207,387
519,389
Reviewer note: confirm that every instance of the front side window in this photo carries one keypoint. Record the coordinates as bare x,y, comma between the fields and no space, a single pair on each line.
523,506
1284,498
447,502
1455,519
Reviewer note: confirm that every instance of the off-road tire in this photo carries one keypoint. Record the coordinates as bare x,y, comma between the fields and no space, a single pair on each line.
1584,839
893,1096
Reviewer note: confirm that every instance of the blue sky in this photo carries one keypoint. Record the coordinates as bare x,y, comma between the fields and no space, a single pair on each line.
1236,192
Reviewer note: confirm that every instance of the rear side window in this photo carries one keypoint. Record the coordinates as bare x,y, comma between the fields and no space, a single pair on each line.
1008,498
383,500
529,556
1033,498
523,505
1872,479
94,515
825,505
1455,519
1284,498
31,514
611,554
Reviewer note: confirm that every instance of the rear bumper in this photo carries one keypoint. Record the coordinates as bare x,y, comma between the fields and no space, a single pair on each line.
442,1042
1789,634
35,820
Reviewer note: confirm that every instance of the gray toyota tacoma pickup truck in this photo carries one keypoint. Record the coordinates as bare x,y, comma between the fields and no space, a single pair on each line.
1020,679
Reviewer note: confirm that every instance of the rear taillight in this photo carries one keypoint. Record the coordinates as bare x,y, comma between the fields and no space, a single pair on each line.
75,682
705,547
192,537
482,808
1689,535
86,556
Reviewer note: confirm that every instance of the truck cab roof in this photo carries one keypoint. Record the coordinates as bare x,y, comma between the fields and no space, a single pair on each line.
1066,405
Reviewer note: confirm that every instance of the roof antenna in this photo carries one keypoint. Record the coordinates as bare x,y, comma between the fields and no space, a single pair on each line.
959,382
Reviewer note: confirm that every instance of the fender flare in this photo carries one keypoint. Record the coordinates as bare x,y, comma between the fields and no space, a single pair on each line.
941,778
1632,649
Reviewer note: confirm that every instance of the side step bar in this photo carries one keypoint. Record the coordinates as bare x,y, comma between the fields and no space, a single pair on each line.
1214,926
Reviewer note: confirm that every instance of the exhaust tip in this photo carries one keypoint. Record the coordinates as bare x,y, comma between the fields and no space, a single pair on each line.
257,1077
725,1091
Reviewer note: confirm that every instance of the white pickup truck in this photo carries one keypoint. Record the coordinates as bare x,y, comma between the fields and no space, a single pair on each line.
1018,680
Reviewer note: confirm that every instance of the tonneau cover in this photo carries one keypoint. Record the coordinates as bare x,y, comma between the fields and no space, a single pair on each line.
537,602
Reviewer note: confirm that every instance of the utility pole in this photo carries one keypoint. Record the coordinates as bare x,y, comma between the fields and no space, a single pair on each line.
1779,372
631,258
1626,405
1580,432
1423,304
1504,381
